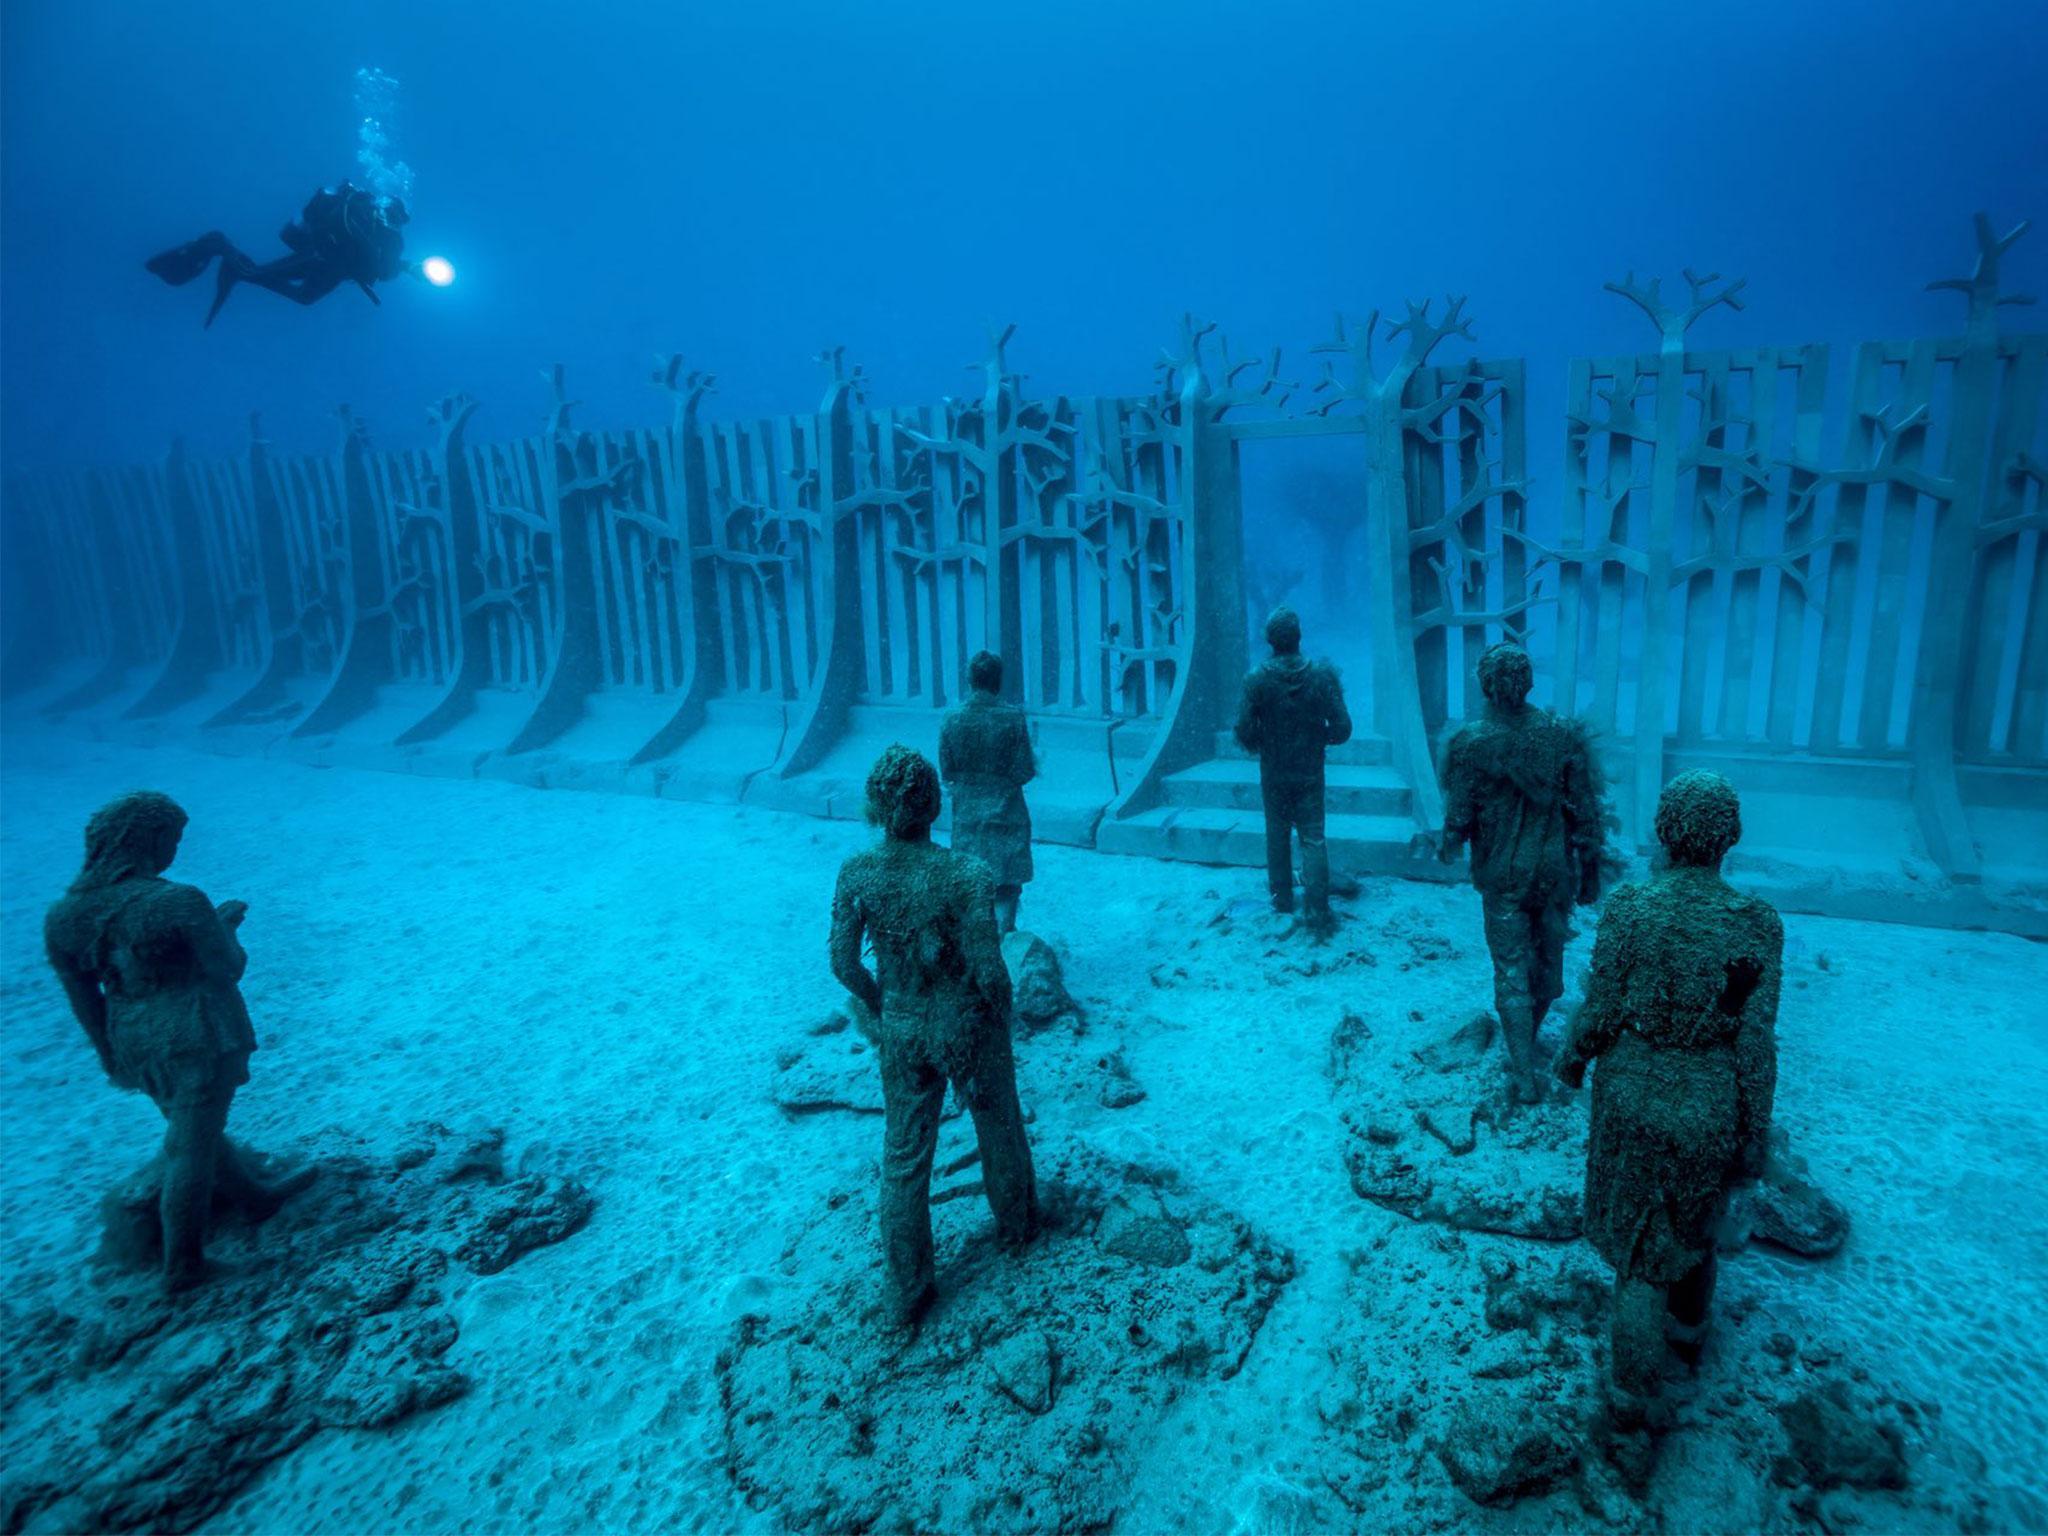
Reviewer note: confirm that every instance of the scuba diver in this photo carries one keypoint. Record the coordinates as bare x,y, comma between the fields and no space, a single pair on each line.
346,234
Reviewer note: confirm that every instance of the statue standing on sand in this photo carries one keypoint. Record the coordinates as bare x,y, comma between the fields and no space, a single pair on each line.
985,756
1681,1015
1522,787
151,969
937,1007
1293,709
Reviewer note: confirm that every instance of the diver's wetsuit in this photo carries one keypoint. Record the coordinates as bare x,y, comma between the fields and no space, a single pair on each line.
346,234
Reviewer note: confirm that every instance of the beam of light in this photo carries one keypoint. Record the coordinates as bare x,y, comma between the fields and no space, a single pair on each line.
438,270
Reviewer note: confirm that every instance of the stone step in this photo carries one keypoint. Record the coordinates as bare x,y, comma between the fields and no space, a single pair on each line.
1365,845
1363,750
1232,784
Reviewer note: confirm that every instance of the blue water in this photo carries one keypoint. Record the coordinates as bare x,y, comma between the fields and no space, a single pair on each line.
753,182
746,182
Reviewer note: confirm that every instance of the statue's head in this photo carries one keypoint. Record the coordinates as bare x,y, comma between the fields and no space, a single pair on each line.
1698,818
985,672
903,793
135,835
1505,675
1283,630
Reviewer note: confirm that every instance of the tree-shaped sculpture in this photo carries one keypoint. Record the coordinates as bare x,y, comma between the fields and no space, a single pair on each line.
274,592
420,551
836,484
695,580
1390,415
459,521
1669,454
1002,452
367,649
1960,529
1186,603
516,556
196,646
1142,611
584,490
318,563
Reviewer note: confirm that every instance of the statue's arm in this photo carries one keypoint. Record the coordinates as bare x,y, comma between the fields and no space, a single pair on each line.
848,929
1461,801
1585,816
1597,1023
88,1003
1337,721
984,945
1247,731
949,752
1023,761
1756,1049
210,933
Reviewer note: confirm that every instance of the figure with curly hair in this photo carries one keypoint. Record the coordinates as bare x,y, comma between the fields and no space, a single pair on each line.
985,759
1522,788
1292,710
1681,1015
151,969
937,1007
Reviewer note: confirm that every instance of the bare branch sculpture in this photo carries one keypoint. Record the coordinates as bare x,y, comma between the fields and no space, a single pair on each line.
1981,286
1674,320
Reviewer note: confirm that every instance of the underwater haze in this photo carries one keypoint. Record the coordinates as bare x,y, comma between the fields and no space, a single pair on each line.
749,183
1121,766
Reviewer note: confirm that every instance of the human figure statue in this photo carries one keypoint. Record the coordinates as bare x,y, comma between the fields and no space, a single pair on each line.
937,1007
1681,1016
1293,709
347,234
985,757
151,970
1522,787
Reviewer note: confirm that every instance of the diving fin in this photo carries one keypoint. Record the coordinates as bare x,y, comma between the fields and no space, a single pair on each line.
181,263
224,284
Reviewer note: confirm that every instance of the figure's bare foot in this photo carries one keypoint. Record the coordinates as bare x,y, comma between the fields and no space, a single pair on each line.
185,1275
902,1320
1687,1343
263,1201
912,1315
237,1187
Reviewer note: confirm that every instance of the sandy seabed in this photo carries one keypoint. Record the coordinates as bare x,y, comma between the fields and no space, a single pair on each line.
612,980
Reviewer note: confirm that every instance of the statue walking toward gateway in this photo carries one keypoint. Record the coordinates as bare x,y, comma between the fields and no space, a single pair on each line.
152,970
1681,1014
985,756
1292,710
937,1007
1522,787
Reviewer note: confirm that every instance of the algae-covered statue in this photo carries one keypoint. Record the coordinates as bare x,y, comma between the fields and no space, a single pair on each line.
1292,710
151,969
938,1009
985,756
1681,1015
1522,787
